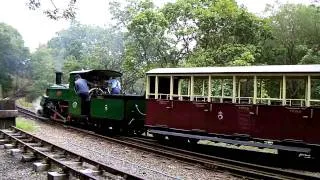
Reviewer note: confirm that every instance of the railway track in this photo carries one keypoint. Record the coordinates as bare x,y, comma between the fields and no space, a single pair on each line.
252,171
50,155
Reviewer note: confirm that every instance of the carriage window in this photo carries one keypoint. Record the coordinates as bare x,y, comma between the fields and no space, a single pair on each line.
296,91
152,81
221,89
315,91
163,90
245,90
184,88
227,84
200,88
164,87
269,90
176,93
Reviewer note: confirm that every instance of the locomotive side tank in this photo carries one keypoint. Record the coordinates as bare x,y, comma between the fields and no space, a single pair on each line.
119,113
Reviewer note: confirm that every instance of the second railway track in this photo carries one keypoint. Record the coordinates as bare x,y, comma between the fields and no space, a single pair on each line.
252,171
48,154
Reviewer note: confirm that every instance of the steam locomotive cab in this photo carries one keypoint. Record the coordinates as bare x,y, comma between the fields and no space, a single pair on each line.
98,87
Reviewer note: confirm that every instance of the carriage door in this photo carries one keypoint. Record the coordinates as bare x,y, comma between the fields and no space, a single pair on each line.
294,123
164,104
246,89
246,119
313,126
200,106
159,105
199,115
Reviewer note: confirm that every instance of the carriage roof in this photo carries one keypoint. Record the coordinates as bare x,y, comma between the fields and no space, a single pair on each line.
296,69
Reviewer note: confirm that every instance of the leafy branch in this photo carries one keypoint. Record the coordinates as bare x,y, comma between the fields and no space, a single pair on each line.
55,12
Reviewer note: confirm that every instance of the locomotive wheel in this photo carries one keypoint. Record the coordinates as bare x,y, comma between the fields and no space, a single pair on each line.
193,141
136,128
135,131
287,156
178,140
315,153
160,138
46,112
139,131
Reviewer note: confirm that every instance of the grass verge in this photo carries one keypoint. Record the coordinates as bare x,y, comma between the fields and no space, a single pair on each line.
26,125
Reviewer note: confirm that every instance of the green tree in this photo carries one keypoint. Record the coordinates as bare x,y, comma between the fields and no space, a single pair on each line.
85,47
13,57
42,71
146,41
228,34
295,40
78,47
296,35
188,33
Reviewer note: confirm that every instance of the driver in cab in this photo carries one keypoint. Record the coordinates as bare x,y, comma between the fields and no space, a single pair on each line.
82,90
115,85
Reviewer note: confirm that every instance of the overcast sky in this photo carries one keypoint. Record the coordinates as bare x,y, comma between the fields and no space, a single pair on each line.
36,28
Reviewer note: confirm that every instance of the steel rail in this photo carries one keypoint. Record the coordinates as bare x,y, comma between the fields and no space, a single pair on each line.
236,167
208,159
68,168
30,113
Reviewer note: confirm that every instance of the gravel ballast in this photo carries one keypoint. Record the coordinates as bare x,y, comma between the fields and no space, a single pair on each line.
144,164
12,168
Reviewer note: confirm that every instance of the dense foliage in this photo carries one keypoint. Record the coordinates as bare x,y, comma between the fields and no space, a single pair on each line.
182,33
76,48
13,59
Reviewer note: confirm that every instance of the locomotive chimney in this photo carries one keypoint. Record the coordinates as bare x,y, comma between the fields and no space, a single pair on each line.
58,77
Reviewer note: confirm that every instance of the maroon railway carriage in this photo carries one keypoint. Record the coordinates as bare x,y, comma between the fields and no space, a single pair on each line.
272,106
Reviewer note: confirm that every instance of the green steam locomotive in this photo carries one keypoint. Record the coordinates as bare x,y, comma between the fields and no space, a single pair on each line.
108,113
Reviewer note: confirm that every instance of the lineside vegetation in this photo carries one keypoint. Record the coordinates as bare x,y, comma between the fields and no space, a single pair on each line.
25,124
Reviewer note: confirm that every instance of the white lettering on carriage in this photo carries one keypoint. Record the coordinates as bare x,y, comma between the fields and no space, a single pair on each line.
296,111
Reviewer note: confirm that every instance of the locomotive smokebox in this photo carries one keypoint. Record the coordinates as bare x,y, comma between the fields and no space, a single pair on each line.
58,77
